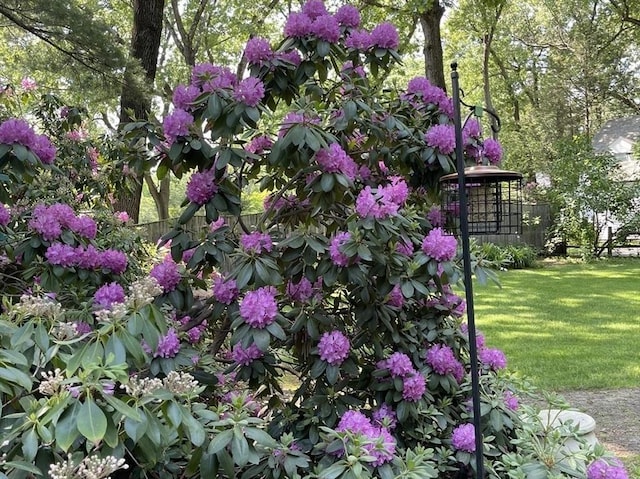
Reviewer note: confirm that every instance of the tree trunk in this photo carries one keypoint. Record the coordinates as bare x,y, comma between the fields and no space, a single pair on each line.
433,58
160,195
135,101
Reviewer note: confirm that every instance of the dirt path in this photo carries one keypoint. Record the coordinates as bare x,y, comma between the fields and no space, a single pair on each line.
617,416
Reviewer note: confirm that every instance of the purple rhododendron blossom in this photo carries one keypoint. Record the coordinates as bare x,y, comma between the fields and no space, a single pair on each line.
177,124
601,469
335,160
166,274
385,35
245,356
258,50
60,254
44,149
256,242
511,401
348,16
259,307
290,56
327,28
314,9
301,291
225,290
334,347
442,360
249,91
108,294
413,387
494,358
84,226
355,422
88,258
439,246
435,217
338,257
404,247
463,438
201,187
396,298
358,40
385,416
472,129
168,345
298,25
398,364
15,130
259,144
184,96
492,150
114,261
5,215
442,137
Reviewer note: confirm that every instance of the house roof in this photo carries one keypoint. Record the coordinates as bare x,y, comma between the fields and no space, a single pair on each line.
612,131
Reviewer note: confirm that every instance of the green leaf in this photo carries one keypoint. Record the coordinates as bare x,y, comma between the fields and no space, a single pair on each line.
327,181
122,407
92,422
239,447
17,377
174,414
136,429
66,430
220,441
188,213
30,445
276,330
195,430
261,437
262,338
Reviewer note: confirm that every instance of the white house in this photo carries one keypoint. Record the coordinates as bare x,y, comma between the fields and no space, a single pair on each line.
618,137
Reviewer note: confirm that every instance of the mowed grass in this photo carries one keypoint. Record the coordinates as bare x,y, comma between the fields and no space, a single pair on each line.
567,326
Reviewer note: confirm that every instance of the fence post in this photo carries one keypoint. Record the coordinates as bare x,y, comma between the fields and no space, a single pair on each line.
609,241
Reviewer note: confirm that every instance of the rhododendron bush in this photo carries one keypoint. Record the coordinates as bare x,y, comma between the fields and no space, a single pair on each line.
325,340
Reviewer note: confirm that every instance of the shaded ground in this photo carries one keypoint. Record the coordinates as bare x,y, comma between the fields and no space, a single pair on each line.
617,416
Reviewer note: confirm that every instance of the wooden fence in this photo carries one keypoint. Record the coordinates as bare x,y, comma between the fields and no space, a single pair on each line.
537,219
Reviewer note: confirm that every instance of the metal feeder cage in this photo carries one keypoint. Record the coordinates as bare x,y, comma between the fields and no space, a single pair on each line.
494,201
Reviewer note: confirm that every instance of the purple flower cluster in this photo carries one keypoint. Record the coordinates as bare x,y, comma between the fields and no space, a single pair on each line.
381,444
435,217
168,345
211,78
439,246
50,220
245,356
385,416
398,364
335,160
442,137
225,290
396,298
108,294
256,242
17,131
337,256
326,27
184,97
259,144
176,124
384,202
201,187
492,151
442,360
194,334
166,274
421,92
259,307
494,358
601,469
257,51
249,91
358,40
301,291
511,401
60,254
463,438
298,25
413,387
294,118
385,35
348,16
334,347
5,215
404,247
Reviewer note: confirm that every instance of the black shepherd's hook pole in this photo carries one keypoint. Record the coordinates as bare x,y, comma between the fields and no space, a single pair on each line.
466,257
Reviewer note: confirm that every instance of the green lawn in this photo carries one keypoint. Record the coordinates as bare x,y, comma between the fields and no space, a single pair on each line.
567,326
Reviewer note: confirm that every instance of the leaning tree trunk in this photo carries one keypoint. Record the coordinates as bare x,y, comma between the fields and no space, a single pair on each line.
135,101
433,58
